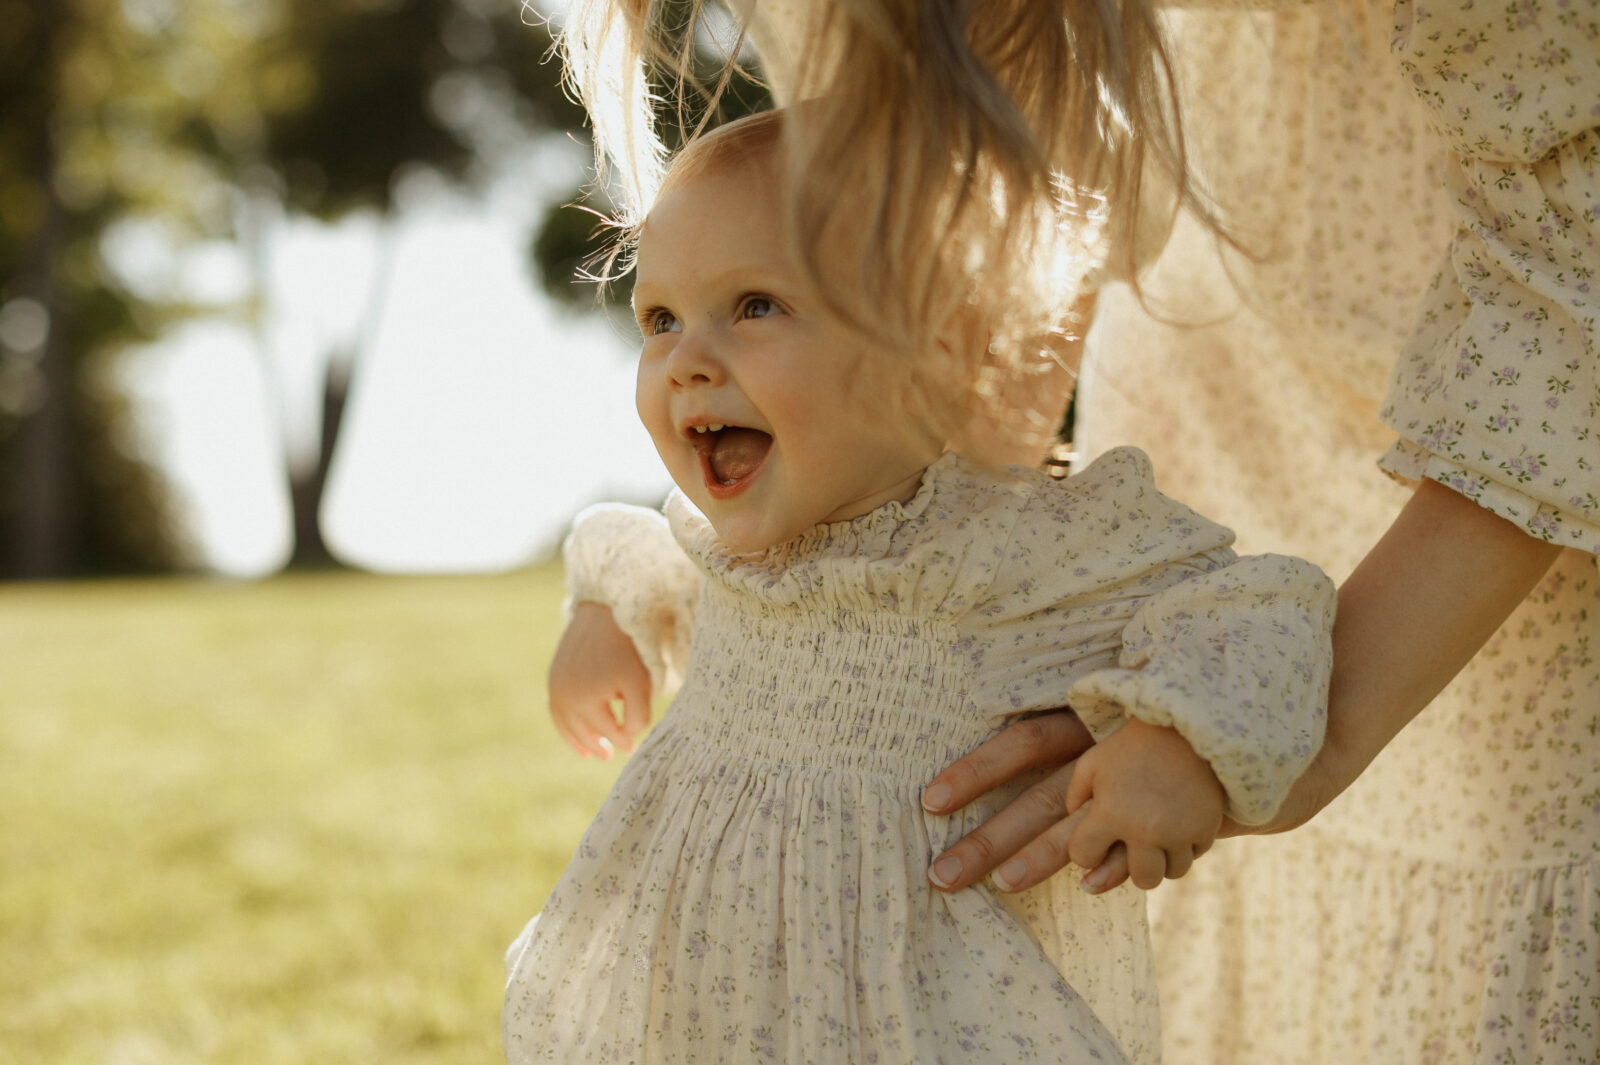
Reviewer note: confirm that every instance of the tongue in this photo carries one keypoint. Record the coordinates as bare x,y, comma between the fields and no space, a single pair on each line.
737,453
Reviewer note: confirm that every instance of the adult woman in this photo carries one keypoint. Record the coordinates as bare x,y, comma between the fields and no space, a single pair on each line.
1447,907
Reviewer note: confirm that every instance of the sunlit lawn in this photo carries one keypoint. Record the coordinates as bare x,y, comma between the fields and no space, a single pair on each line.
291,822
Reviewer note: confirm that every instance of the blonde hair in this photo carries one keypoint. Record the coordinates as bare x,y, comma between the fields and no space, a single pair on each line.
753,137
995,154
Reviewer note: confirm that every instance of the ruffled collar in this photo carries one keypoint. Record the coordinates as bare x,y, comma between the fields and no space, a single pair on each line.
850,537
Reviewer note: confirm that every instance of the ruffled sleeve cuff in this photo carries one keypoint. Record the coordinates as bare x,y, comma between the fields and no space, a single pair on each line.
1412,462
625,558
1237,661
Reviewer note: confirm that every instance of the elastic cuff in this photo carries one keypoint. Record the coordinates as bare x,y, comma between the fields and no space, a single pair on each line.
1406,461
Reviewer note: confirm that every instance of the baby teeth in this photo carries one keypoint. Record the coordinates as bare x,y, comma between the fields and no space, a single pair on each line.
708,428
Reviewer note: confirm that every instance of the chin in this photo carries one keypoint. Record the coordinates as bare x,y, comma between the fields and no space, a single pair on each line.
745,544
743,540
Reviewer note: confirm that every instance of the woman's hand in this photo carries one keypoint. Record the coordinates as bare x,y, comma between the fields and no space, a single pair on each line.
1028,842
594,670
1034,829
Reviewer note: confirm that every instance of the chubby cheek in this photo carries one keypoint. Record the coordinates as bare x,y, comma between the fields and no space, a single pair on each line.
651,401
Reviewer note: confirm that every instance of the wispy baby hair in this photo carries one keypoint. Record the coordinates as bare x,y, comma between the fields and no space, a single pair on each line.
994,153
757,136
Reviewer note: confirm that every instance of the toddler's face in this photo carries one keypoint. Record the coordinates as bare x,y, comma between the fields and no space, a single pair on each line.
755,394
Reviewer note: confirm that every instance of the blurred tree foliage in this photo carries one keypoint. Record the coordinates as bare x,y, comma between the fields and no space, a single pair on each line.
182,118
351,95
84,108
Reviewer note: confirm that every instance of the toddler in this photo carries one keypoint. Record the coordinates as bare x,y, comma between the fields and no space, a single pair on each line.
866,606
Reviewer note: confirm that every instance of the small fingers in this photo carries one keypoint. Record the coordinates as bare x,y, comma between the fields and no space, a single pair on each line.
1081,788
1179,861
607,730
593,732
577,739
635,714
1114,870
1093,839
1147,867
593,745
1108,874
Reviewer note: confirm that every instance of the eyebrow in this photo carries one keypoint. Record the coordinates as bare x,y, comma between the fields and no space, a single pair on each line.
645,304
640,313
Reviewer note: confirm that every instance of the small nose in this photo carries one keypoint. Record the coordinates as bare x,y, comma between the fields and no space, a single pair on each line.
695,362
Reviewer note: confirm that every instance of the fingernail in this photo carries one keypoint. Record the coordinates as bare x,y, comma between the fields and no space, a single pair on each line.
936,797
1010,874
1095,882
945,870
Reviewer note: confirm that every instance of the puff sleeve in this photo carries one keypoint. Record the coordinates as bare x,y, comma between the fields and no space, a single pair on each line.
1237,661
625,557
1497,391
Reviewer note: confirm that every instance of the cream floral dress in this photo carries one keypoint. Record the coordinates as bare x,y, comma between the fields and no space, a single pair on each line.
755,887
1423,181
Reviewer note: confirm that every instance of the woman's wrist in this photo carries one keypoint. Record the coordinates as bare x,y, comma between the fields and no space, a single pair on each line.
1329,773
1421,604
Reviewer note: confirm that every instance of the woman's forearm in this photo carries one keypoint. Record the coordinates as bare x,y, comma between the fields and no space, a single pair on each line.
1421,603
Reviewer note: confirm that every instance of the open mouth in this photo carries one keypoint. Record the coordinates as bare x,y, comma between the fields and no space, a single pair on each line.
730,456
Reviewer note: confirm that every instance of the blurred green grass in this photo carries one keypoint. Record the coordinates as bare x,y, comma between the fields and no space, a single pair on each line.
288,822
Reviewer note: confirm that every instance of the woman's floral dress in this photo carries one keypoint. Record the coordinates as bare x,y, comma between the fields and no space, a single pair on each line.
755,887
1422,182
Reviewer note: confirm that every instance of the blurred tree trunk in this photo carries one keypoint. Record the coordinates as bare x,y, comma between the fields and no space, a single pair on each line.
44,534
46,541
308,486
76,496
308,482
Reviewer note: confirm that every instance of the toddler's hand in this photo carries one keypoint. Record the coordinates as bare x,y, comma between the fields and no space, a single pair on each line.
596,667
1144,788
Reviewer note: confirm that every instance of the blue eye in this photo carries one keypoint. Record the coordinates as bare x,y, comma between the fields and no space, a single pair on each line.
758,307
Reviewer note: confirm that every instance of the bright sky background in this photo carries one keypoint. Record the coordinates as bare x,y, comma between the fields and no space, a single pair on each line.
481,417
